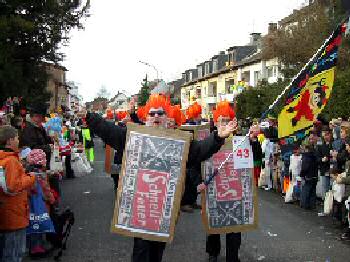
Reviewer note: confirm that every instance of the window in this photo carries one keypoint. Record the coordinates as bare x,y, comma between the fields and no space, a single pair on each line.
229,83
269,72
207,68
199,91
200,72
274,71
212,89
215,65
191,76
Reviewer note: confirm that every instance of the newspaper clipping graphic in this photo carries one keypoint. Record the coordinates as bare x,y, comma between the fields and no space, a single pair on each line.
230,203
152,170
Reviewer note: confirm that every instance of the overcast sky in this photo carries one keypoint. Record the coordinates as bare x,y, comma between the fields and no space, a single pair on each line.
171,35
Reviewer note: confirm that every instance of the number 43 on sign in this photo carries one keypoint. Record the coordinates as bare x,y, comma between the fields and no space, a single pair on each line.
243,156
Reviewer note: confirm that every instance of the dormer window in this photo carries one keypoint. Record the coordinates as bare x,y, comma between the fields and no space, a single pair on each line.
215,65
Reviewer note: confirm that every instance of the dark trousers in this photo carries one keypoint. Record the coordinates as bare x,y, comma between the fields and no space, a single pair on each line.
115,180
69,170
190,195
233,243
147,251
308,194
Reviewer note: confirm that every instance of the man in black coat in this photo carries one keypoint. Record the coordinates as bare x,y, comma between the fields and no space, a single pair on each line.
34,135
115,136
323,153
309,174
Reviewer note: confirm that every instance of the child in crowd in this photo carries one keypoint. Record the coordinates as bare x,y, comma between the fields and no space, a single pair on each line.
14,187
36,162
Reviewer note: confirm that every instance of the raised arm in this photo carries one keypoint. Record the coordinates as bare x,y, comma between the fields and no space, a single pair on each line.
110,133
202,150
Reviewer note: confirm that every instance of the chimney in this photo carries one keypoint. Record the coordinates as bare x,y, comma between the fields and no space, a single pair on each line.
255,38
272,28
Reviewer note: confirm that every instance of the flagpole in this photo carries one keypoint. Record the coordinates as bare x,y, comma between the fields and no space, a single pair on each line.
216,171
305,66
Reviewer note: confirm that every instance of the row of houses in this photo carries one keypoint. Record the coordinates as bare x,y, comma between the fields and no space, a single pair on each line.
227,74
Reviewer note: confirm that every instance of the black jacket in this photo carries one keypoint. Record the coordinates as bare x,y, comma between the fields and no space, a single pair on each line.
36,138
115,136
118,155
309,166
321,152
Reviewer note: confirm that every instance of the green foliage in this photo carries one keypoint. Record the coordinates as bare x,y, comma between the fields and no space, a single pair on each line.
255,101
339,102
144,93
294,44
30,33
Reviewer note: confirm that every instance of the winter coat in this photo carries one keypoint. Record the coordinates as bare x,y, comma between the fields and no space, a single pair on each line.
115,136
118,155
14,207
36,138
322,151
342,157
295,165
309,166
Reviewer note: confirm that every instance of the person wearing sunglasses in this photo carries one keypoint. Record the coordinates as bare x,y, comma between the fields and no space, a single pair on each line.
156,113
223,115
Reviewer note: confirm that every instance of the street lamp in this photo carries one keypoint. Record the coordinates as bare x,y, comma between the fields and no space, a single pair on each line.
147,64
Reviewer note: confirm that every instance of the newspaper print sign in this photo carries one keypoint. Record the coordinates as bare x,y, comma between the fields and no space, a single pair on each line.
153,167
230,201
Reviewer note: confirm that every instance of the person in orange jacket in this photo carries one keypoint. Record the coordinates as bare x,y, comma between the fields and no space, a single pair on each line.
14,206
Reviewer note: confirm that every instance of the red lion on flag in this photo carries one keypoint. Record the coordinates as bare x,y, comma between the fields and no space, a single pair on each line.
309,102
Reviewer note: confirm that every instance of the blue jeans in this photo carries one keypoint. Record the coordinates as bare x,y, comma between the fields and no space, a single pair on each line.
12,246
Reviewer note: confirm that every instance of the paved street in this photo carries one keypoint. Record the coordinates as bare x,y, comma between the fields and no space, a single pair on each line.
286,232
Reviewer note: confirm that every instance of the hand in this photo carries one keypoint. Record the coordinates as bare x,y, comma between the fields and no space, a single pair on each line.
226,131
201,187
324,159
126,119
338,180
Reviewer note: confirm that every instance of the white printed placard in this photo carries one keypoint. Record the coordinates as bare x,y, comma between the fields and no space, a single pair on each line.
243,155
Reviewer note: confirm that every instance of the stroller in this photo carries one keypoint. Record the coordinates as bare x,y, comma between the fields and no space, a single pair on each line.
63,223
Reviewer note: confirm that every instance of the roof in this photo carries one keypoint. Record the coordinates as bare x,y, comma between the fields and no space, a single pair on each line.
252,58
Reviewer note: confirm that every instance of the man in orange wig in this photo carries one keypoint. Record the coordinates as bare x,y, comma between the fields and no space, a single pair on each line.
155,114
223,115
193,114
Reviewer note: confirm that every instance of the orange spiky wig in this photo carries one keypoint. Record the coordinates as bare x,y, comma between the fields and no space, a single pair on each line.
194,111
223,109
109,114
177,115
121,115
156,101
141,113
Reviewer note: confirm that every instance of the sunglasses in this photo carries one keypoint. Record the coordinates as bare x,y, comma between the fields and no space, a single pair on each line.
159,113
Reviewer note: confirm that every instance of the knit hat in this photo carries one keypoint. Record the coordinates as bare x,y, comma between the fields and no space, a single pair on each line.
37,157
